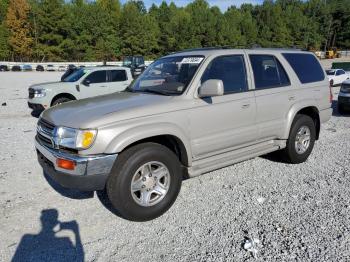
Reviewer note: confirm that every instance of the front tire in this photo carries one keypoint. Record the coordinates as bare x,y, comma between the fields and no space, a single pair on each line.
60,100
301,140
144,182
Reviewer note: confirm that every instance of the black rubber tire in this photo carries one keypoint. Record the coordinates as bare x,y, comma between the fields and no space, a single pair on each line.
119,181
289,153
341,109
61,100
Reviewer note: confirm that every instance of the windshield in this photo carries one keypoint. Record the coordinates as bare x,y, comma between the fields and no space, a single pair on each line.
127,61
168,76
330,72
75,76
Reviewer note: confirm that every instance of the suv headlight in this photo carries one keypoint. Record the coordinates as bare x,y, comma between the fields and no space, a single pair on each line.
39,92
75,138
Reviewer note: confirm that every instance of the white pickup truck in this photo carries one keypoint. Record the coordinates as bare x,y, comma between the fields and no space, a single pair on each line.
83,83
337,76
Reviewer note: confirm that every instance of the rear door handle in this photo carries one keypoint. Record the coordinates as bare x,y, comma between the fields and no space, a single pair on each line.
291,98
245,106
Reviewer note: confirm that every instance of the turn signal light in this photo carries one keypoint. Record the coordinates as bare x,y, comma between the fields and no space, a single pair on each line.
65,164
330,94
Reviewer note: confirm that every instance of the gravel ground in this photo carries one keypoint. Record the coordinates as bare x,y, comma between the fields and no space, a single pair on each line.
297,212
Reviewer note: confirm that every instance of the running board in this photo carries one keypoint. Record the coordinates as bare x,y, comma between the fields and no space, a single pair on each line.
211,163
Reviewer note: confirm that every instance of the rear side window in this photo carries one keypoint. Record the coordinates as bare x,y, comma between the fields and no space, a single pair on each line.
117,76
268,72
231,70
340,72
97,77
306,66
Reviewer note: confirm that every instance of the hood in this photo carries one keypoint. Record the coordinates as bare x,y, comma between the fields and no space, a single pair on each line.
49,85
102,110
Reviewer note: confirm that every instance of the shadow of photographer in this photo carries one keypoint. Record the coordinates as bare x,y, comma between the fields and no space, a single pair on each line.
51,243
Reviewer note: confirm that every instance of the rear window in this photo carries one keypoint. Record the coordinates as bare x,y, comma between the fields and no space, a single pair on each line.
306,66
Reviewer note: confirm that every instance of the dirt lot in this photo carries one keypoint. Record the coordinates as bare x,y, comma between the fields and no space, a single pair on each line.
297,212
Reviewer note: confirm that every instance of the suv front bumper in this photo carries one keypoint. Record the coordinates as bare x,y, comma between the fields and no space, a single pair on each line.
90,172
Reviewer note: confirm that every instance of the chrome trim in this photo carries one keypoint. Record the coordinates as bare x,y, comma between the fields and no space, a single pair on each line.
344,94
85,165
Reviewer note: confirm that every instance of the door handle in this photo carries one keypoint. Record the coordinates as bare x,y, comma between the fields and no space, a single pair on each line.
291,98
103,86
245,106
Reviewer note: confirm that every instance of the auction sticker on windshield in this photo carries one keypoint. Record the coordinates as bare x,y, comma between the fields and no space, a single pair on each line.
192,60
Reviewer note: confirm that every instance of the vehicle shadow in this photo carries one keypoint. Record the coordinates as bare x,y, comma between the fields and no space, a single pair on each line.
50,244
275,156
36,113
102,196
66,192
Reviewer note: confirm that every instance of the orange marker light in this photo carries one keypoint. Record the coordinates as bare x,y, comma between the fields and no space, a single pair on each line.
65,164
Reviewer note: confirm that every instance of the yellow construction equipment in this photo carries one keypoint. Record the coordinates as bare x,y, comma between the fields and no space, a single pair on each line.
333,52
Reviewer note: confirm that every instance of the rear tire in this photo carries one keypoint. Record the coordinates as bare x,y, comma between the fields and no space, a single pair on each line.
301,140
136,178
60,100
341,109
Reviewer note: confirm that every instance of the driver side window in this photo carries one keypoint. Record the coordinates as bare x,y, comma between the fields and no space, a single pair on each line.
230,70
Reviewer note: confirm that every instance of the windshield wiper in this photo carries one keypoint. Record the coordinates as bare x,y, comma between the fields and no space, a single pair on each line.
158,92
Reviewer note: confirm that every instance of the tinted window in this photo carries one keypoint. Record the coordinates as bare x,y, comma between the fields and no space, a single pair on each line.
117,75
268,72
306,66
97,77
229,69
340,72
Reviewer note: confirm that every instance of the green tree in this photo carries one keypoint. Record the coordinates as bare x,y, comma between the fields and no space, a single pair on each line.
51,28
139,32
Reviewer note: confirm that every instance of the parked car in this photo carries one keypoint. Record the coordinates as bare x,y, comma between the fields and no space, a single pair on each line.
187,114
40,68
4,68
83,83
16,68
336,76
62,68
344,97
50,68
27,68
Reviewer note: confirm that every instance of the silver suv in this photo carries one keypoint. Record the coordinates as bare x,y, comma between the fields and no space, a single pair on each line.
188,113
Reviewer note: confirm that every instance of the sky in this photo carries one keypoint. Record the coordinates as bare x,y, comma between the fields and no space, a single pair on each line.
222,4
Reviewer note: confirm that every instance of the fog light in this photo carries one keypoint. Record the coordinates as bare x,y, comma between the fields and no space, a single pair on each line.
65,164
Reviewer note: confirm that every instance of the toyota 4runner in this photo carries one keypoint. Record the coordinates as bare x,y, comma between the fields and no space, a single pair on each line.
187,114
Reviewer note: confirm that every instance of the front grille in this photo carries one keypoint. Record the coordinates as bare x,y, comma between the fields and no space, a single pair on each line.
345,88
45,133
44,140
46,126
31,92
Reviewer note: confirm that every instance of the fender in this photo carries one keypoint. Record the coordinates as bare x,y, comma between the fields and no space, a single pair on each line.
139,132
294,110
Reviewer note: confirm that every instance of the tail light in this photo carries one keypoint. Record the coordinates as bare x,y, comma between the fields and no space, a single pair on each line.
330,94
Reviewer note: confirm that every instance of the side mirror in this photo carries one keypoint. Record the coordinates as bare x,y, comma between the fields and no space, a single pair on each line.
212,87
86,82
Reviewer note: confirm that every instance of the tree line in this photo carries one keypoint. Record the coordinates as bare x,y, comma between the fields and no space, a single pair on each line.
105,30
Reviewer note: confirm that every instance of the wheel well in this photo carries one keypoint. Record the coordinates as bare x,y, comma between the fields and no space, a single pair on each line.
169,141
314,114
67,95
